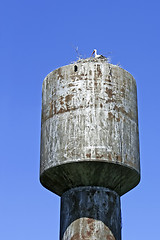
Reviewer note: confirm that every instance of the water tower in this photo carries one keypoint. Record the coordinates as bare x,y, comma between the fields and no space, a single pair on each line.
90,145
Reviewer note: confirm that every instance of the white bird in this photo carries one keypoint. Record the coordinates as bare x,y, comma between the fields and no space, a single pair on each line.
95,54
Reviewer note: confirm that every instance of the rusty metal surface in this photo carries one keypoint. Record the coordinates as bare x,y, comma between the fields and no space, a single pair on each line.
89,115
90,213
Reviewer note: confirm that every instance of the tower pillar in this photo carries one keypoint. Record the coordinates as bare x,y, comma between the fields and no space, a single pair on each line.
90,213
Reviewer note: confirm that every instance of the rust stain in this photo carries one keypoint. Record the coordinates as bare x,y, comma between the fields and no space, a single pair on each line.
108,79
119,158
88,155
90,220
91,225
110,116
118,119
89,233
71,85
67,109
95,83
51,109
76,237
122,110
69,98
61,110
77,77
123,92
61,100
109,92
59,73
110,101
99,156
99,73
73,90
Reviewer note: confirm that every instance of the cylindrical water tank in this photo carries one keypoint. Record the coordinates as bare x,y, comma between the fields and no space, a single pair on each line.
89,134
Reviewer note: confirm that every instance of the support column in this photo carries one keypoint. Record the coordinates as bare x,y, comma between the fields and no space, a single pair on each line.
90,213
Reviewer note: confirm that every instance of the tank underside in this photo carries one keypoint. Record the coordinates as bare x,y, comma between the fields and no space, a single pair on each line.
114,176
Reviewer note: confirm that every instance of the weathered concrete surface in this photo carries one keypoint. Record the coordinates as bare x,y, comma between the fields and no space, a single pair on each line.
88,228
90,213
89,133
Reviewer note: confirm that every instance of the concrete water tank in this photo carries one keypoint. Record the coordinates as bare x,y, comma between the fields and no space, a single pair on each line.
89,134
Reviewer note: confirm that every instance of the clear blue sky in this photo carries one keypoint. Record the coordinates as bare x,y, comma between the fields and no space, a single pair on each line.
35,38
